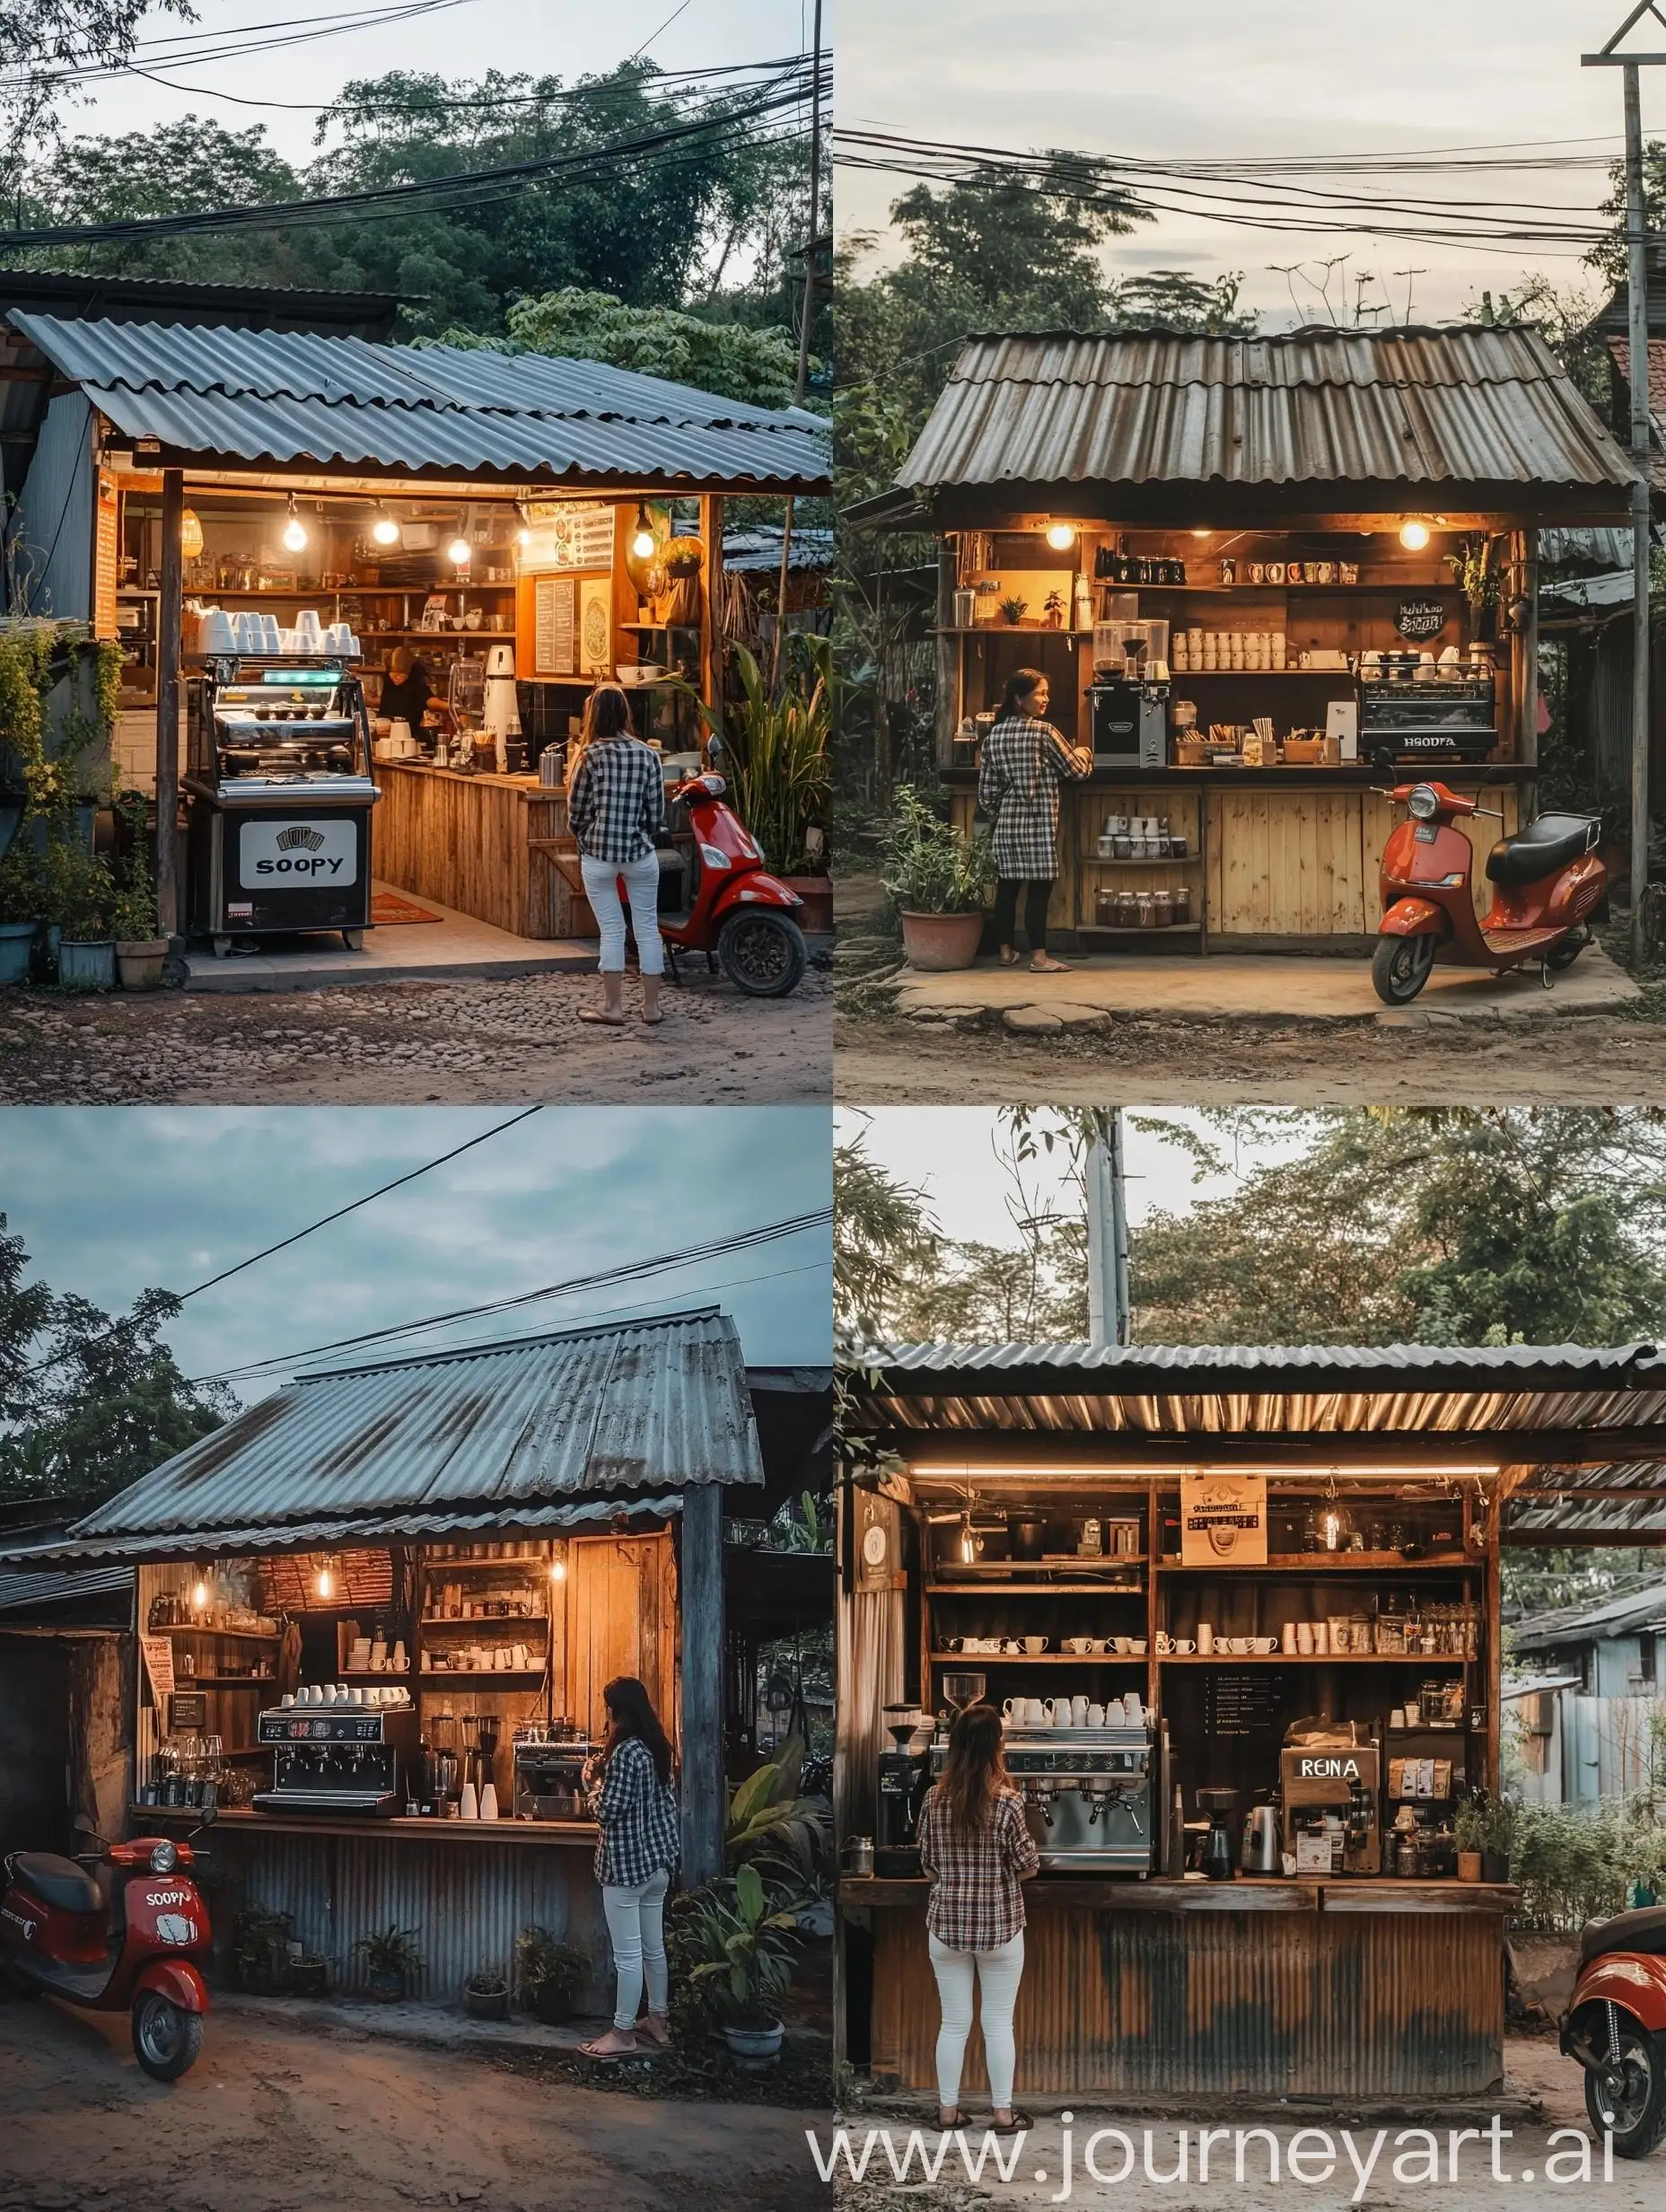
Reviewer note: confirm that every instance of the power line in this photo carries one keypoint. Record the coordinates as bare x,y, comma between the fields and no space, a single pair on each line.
174,52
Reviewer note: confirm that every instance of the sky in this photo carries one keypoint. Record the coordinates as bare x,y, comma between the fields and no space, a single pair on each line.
1284,77
951,1152
109,1201
462,38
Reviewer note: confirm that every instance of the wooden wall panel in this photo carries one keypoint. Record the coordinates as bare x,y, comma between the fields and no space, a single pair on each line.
472,842
619,1617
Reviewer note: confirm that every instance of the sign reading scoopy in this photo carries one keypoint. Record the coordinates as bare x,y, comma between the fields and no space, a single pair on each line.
1223,1520
279,853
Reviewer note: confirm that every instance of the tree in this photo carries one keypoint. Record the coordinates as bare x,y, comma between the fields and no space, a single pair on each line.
883,1234
754,365
43,42
92,1401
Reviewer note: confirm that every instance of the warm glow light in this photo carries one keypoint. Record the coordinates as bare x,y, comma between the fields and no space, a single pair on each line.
326,1583
968,1542
643,544
190,534
384,530
1061,537
1414,535
200,1595
557,1567
295,530
523,536
459,552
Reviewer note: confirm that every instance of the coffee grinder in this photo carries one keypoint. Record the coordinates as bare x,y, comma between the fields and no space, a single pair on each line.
1220,1856
483,1755
443,1761
904,1778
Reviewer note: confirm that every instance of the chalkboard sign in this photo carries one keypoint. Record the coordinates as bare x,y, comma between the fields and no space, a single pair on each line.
187,1713
1420,619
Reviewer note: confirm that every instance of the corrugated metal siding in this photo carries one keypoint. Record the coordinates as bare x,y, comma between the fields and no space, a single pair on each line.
1265,2003
49,540
466,1901
32,1594
1442,408
287,396
646,1406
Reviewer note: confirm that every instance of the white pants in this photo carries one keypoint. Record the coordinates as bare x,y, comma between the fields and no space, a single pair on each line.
642,883
637,1930
999,1972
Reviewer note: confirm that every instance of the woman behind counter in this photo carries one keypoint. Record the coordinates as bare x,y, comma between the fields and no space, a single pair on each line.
1024,761
616,809
629,1791
406,692
977,1850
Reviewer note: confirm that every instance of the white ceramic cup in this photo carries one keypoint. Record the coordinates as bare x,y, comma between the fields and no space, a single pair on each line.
1165,1643
1304,1637
1205,1638
288,1698
1136,1646
1078,1712
1035,1646
1116,1714
1096,1716
1124,1643
1184,1646
1013,1709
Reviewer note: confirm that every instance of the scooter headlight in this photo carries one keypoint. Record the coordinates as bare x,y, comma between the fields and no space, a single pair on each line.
1423,805
164,1857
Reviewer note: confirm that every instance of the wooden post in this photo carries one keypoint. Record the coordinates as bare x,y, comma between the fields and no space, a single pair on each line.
712,644
704,1795
947,656
1527,729
168,623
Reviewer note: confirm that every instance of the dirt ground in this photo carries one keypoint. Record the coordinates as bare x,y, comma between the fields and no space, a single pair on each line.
1599,1061
463,1043
273,2120
1533,2065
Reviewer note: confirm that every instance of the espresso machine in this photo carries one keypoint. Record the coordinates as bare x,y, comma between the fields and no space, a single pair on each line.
342,1759
904,1778
549,1772
1089,1795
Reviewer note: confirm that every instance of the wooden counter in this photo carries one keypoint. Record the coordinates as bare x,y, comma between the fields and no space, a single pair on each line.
1254,1987
489,845
233,1818
1280,858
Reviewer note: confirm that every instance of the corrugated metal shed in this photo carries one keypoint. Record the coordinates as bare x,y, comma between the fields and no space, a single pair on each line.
45,1591
1585,1624
511,1433
1341,411
281,396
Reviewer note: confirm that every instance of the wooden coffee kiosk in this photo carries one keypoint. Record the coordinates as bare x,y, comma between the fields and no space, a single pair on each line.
1240,1611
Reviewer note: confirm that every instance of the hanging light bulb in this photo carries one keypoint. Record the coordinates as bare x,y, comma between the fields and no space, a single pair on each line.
295,529
557,1563
199,1594
643,544
326,1584
1414,534
384,530
190,535
1061,537
968,1542
459,552
523,536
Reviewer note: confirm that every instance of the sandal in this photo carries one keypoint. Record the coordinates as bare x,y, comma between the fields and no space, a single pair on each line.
1008,957
948,2127
1048,966
1020,2123
593,2049
601,1020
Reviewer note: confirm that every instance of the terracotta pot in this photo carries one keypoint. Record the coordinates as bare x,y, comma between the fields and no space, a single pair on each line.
140,961
936,942
1468,1865
815,917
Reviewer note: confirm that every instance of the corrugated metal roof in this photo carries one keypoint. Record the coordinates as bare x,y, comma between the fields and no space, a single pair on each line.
1441,409
282,396
645,1407
43,1591
1580,1624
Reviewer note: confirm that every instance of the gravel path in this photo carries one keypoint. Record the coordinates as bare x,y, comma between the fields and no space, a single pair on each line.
465,1043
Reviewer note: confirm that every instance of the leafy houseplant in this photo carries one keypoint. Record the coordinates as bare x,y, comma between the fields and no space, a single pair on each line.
769,1822
775,755
21,898
141,954
260,1961
739,1942
486,1995
938,880
79,897
392,1960
1014,610
550,1974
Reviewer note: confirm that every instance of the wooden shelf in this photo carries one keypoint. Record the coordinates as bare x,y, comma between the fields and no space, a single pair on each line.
224,1682
431,1675
437,1570
1036,1590
1163,930
373,1674
1303,1563
341,591
488,1620
1311,1659
1097,860
973,1661
243,1636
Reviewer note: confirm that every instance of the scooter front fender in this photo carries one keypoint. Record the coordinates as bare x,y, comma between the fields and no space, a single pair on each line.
1413,917
177,1980
1632,1981
755,889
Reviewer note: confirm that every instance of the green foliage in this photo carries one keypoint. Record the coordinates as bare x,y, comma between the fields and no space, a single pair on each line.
78,891
1485,1822
546,1967
22,895
883,1234
768,1822
738,1940
775,748
760,367
1473,571
261,1948
1578,1862
927,866
43,43
390,1950
807,1528
134,918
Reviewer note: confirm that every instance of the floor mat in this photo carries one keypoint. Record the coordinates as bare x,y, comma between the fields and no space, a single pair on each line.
390,906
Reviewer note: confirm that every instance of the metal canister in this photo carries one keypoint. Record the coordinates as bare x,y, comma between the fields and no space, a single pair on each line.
859,1855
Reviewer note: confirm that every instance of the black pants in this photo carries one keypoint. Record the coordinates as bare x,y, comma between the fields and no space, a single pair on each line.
1037,892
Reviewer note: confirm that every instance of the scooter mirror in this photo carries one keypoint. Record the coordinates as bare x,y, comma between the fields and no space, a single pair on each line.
211,1813
1382,761
83,1826
715,751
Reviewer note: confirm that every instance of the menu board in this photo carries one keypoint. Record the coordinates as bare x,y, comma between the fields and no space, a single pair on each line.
567,535
1420,619
555,629
1223,1520
105,556
595,625
158,1652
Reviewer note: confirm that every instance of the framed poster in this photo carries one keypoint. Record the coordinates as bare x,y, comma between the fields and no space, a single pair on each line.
105,556
555,633
1223,1520
567,535
596,625
158,1652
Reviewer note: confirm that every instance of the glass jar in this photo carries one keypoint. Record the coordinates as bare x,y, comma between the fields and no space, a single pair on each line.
1182,902
1162,909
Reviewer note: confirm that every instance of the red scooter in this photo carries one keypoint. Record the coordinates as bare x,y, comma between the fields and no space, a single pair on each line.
1547,882
128,1939
1615,2025
727,903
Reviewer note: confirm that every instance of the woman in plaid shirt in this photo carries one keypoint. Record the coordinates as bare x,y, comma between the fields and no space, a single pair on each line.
628,1787
1023,762
616,809
976,1847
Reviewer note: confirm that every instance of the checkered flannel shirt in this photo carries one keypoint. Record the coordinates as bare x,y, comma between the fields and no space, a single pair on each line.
1022,765
638,1817
617,804
976,1901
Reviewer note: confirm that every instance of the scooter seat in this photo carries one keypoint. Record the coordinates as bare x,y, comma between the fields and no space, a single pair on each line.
1549,842
58,1881
1644,1932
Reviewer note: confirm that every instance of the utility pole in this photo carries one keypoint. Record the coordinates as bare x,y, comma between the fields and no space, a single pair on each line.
1638,377
1109,1318
806,317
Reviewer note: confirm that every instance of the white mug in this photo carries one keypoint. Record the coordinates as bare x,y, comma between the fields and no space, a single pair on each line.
1078,1712
1132,1713
1136,1646
1115,1714
1165,1643
1304,1637
1123,1644
1035,1646
1014,1708
1096,1716
1205,1638
1039,1715
1184,1646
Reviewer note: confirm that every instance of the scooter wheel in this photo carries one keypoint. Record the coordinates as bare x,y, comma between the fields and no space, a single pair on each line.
1399,968
1628,2098
166,2038
1567,951
762,952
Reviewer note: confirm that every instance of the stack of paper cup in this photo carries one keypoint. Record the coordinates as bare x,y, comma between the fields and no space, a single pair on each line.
307,631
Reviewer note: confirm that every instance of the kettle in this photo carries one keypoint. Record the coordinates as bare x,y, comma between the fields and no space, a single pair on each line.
1262,1852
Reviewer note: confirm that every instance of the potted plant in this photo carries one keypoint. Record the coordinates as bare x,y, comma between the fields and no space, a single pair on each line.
80,893
1014,610
740,1940
1477,579
550,1972
141,955
260,1961
938,879
309,1976
486,1995
1498,1839
391,1959
21,902
1468,1829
